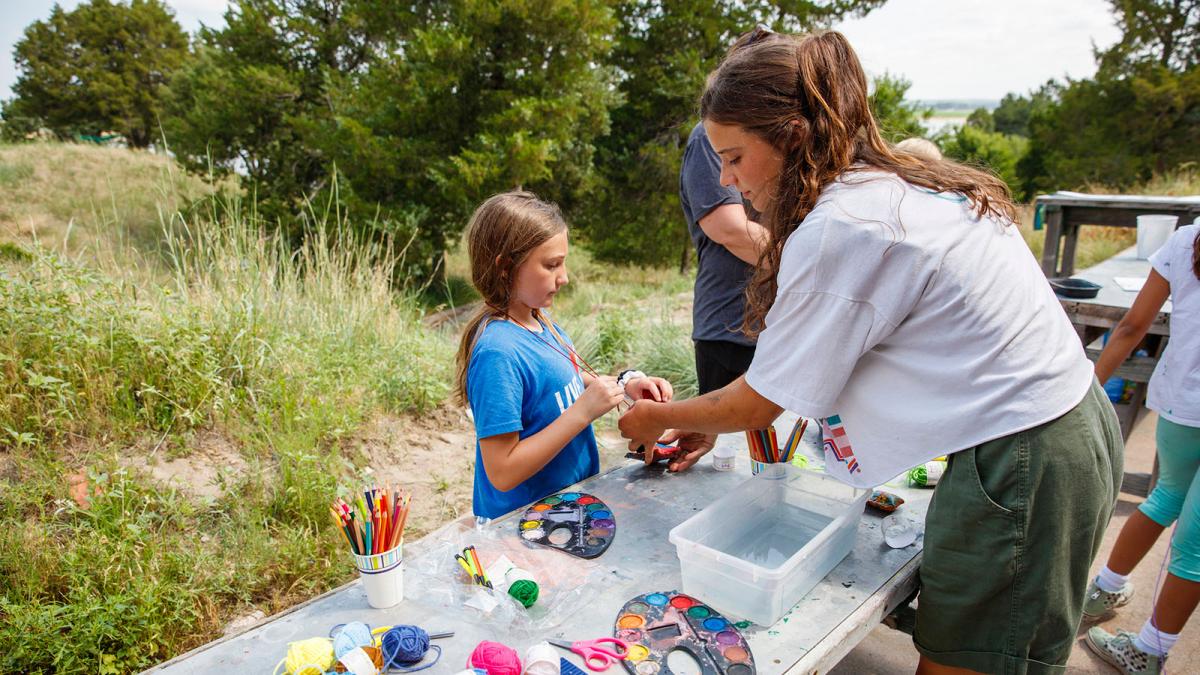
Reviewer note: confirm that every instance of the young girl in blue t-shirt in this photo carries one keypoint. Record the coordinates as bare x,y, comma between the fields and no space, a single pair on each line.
532,396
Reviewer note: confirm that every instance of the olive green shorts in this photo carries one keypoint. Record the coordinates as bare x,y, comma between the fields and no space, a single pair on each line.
1011,533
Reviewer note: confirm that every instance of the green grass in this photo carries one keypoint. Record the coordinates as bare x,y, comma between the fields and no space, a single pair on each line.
288,351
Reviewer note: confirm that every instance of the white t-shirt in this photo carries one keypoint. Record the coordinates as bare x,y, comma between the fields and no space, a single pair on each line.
1175,385
914,327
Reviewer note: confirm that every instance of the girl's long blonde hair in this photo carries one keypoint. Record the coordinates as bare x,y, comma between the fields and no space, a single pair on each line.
502,233
807,96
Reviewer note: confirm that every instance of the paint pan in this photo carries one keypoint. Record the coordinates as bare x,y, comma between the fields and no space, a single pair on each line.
573,522
656,624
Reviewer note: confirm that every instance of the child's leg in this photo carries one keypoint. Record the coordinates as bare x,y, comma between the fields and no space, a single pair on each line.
1181,591
1177,463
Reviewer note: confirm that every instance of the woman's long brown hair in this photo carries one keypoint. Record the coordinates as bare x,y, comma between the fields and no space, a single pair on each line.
807,96
502,233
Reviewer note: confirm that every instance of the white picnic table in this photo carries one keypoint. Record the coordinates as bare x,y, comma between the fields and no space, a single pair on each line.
647,502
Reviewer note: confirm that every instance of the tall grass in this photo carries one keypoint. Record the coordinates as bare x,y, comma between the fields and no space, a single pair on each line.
284,348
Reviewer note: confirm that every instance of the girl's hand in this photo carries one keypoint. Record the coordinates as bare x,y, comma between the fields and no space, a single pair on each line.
653,388
601,395
638,425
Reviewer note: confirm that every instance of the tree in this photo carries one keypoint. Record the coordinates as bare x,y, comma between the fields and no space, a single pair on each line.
101,66
991,150
1158,32
483,96
1013,113
256,91
898,118
661,55
1139,116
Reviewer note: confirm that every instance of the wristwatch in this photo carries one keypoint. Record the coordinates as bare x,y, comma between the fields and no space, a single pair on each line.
627,375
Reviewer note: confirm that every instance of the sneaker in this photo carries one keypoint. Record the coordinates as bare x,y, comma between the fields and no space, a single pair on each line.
1122,653
1099,603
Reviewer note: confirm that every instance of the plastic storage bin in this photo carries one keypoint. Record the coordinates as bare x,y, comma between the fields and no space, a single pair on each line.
756,551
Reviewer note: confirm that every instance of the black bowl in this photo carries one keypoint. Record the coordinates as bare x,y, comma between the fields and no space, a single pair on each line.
1075,288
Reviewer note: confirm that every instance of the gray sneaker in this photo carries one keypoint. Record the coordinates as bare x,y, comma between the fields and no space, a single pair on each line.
1122,653
1099,604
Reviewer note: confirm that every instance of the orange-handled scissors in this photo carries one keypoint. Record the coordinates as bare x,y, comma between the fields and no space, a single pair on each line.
596,655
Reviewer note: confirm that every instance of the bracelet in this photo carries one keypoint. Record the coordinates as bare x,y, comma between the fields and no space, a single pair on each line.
627,375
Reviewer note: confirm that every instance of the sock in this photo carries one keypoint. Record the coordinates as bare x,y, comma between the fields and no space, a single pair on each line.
1153,641
1109,581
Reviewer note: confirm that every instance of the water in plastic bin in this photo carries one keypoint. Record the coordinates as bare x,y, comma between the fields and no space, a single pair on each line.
772,538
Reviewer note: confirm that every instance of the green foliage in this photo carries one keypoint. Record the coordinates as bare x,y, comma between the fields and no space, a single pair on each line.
662,52
1114,131
1013,114
98,67
1165,33
992,150
257,88
491,96
898,118
1135,119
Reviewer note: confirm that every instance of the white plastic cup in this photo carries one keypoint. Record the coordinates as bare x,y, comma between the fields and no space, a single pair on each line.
1152,232
382,577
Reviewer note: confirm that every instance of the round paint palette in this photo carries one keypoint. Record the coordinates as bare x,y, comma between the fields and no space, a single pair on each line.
574,522
656,624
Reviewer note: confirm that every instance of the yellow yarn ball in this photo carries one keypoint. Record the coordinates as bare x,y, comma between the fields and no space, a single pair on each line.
313,656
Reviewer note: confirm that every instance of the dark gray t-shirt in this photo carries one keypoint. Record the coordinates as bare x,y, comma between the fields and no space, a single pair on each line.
719,296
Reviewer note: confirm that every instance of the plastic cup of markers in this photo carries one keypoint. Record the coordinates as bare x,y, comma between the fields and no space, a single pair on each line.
382,577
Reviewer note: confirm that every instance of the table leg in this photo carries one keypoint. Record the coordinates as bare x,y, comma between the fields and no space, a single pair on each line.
1054,218
1070,237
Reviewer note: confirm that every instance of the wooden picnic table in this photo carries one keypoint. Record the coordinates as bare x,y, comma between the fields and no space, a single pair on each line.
818,632
1063,213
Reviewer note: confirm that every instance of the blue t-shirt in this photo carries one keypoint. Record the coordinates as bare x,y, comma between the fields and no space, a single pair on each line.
517,382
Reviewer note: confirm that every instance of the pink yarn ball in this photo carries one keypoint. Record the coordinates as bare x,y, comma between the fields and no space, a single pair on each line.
495,659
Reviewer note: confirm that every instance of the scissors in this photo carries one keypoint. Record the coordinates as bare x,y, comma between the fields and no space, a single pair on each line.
596,656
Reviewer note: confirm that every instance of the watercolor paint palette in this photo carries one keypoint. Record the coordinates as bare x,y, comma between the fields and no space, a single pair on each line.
656,624
572,522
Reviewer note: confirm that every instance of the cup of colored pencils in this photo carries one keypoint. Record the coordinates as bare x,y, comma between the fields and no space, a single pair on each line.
372,524
767,456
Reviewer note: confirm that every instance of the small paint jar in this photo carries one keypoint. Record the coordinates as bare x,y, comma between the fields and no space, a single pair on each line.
723,457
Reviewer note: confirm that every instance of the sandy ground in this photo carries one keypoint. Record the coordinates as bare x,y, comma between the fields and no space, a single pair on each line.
889,651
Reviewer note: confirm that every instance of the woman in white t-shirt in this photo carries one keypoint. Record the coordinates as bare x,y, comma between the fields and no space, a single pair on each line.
896,302
1175,396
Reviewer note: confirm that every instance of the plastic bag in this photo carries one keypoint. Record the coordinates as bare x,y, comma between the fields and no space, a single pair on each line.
444,585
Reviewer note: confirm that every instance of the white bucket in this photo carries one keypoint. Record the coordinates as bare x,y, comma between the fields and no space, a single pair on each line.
1152,232
382,577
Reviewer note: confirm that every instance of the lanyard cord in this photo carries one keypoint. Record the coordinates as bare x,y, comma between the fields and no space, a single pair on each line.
567,352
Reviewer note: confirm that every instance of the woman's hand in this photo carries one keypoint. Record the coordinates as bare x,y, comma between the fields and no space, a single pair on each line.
653,388
692,445
601,395
638,425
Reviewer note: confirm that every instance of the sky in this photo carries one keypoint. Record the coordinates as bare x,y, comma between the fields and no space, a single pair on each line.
948,49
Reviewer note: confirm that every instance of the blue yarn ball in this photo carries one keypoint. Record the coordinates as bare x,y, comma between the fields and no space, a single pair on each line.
351,636
406,645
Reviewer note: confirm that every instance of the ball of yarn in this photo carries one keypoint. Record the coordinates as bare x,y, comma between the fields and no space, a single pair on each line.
524,591
308,656
405,646
495,658
358,661
542,659
351,636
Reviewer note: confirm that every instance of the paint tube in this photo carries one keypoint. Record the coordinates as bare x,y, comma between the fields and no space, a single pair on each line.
926,475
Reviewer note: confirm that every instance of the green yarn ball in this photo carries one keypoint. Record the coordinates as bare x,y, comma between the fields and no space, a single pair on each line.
524,591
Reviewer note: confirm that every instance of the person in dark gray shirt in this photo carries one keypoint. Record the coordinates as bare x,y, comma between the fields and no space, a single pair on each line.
727,243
